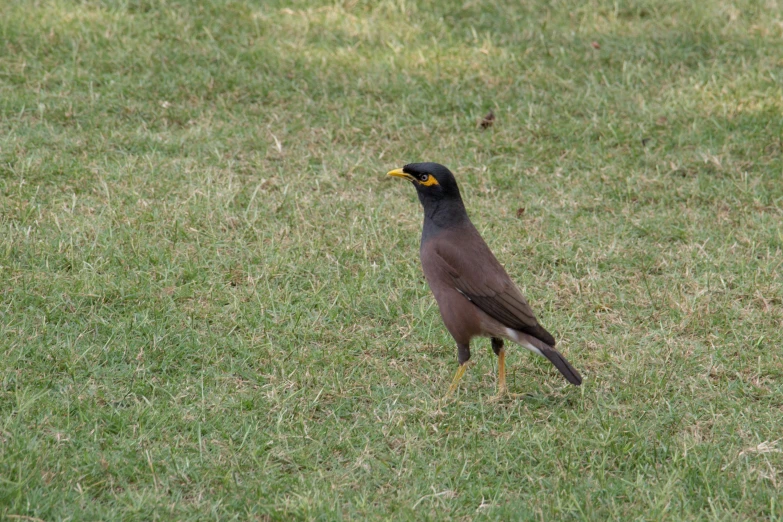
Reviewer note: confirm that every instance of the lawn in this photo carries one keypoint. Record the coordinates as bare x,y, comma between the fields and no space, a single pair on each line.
211,301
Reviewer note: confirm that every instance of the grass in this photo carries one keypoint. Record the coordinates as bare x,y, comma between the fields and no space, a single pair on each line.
212,305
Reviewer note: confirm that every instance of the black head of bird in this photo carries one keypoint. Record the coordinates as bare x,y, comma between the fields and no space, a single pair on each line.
437,190
475,295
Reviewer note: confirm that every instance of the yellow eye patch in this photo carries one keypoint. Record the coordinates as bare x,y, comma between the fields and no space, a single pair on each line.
428,181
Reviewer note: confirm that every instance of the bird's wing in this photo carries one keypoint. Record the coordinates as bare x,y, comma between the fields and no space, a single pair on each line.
479,276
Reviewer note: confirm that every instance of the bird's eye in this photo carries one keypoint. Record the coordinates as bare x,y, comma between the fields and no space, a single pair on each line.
425,177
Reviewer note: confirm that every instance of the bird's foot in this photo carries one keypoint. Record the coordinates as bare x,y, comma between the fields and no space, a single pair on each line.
503,394
455,381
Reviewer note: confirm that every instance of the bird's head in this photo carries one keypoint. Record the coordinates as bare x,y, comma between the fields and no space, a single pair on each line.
433,181
438,193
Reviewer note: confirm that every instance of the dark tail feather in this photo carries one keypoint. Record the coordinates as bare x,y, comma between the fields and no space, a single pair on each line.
563,366
537,345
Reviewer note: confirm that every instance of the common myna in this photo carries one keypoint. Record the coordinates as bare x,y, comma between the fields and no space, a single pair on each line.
475,295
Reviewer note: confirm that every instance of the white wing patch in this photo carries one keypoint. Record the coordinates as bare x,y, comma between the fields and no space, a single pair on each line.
463,293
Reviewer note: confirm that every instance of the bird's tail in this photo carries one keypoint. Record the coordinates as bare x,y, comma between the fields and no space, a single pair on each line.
555,357
562,365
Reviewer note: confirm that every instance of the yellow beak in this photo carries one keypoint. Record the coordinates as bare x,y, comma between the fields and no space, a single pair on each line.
398,173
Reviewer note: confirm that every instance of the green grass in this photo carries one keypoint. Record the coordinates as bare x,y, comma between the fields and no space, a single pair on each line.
212,305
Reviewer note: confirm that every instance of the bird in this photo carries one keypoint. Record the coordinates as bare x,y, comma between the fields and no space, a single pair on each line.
475,294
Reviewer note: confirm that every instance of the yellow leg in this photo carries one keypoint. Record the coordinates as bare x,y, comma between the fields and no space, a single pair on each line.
456,379
502,389
502,372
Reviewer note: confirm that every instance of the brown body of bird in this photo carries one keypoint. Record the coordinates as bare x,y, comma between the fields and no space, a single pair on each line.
475,295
